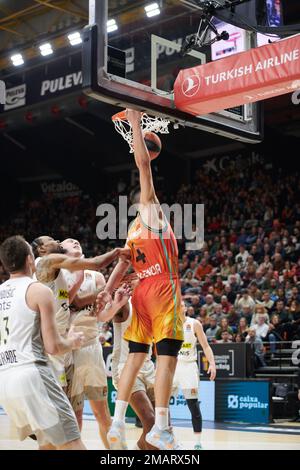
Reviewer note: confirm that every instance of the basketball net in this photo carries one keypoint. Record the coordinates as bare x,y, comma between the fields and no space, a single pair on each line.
148,124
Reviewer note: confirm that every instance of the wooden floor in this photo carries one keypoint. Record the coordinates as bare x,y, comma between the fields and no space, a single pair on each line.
213,439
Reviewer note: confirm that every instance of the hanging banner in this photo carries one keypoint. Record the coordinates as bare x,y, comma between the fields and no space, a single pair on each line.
248,77
51,80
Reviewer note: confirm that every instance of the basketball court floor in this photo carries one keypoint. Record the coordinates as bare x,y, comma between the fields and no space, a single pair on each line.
281,436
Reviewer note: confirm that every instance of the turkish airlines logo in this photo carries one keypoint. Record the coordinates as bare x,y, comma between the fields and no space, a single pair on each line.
191,86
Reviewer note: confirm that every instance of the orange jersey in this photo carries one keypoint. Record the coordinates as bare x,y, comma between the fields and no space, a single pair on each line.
156,301
153,252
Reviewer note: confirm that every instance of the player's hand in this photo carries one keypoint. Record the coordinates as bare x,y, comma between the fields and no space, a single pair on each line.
76,338
124,254
122,295
133,116
103,298
212,372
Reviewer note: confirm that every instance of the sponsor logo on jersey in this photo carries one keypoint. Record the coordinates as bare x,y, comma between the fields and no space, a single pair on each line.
63,294
187,346
151,271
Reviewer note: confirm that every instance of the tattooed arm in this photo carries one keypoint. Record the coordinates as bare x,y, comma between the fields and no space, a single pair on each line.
48,267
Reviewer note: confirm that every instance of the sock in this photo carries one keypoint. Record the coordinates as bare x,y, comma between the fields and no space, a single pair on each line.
198,436
162,418
120,410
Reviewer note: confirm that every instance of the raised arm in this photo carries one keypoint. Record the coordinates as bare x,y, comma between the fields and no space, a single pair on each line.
142,159
49,265
206,349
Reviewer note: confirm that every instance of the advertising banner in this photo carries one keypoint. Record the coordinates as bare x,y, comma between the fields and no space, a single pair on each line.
243,401
248,77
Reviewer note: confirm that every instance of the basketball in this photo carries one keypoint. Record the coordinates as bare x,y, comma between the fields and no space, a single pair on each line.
153,144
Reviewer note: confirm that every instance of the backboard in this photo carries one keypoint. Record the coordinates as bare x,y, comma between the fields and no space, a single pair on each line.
133,53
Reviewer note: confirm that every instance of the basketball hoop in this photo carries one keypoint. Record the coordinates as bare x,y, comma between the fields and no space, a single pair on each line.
148,124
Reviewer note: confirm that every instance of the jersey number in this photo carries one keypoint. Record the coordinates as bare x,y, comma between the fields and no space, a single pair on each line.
4,331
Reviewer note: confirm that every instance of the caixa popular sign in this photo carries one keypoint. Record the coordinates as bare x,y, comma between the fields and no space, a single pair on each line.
2,92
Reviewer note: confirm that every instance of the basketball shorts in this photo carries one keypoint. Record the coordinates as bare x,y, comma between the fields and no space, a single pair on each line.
36,404
89,378
156,308
187,378
63,369
144,381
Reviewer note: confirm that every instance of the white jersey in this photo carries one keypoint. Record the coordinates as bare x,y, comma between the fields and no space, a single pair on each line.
60,290
188,351
20,330
82,319
121,346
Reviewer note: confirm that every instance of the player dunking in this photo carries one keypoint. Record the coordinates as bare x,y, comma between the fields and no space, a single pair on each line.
156,303
187,372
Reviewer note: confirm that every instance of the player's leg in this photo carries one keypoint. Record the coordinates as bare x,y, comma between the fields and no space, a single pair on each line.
77,444
137,355
142,406
194,407
168,336
77,402
102,415
188,379
95,388
47,447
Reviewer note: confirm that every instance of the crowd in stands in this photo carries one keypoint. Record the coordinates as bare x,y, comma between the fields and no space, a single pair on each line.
243,284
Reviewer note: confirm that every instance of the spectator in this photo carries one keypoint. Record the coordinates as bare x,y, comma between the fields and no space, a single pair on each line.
225,337
243,327
209,305
224,326
244,300
267,302
225,304
213,328
190,312
282,312
203,269
259,311
258,347
239,338
295,319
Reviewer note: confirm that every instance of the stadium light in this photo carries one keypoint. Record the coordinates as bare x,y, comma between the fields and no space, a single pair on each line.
111,26
75,38
46,49
17,59
152,10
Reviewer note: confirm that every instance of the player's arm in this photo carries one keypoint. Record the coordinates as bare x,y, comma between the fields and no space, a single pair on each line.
40,298
118,273
47,268
121,298
206,349
142,159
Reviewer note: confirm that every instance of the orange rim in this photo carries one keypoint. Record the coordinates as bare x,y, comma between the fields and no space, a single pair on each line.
121,116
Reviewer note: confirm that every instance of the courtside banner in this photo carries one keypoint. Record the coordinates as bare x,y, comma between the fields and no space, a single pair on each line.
251,76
